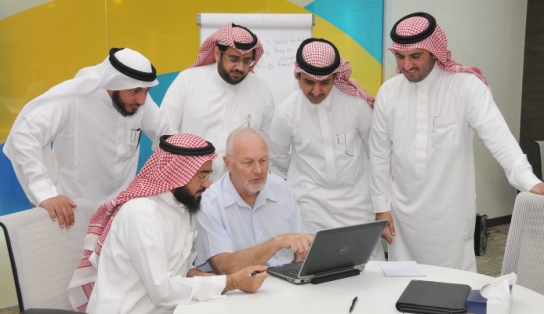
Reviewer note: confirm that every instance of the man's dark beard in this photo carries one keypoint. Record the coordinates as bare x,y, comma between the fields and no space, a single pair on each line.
120,105
191,202
225,75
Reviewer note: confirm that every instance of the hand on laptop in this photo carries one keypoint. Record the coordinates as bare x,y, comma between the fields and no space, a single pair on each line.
298,242
248,279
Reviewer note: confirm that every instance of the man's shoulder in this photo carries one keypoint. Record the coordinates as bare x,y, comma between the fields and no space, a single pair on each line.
277,184
293,99
140,205
255,81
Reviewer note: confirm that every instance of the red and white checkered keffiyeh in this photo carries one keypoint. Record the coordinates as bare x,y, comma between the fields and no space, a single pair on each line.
227,35
437,44
321,54
163,172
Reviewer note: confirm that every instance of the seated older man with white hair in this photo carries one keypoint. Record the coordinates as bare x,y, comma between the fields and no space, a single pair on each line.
248,217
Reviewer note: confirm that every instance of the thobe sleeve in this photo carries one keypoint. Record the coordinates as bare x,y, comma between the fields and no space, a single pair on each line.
364,119
154,122
268,113
145,237
295,220
483,115
213,236
279,144
380,147
28,148
174,101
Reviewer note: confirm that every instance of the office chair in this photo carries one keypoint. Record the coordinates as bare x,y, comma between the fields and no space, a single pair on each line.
44,256
524,252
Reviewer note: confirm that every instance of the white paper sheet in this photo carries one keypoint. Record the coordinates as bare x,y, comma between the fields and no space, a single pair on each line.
401,269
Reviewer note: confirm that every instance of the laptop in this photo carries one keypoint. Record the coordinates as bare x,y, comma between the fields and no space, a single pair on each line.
334,253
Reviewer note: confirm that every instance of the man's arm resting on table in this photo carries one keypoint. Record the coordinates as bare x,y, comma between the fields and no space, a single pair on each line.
228,263
243,279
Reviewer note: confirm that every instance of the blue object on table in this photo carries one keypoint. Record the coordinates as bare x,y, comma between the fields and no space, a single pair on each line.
476,303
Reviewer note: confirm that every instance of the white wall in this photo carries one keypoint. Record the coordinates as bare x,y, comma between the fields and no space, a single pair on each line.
491,35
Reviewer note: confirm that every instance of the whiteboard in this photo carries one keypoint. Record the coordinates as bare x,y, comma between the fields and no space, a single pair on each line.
280,34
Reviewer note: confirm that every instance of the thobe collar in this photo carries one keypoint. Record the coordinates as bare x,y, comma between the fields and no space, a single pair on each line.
107,101
431,77
220,81
326,102
231,196
168,199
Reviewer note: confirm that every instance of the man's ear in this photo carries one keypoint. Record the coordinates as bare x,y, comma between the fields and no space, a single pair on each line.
216,53
226,160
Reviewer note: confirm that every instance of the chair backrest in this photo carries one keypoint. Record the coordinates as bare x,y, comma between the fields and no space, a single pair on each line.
524,252
44,256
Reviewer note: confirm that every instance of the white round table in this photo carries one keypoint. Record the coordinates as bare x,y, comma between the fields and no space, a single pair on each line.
376,294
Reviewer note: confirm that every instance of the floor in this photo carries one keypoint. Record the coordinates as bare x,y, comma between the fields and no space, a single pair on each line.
489,264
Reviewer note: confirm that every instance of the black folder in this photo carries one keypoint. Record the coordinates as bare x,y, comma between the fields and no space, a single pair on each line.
433,297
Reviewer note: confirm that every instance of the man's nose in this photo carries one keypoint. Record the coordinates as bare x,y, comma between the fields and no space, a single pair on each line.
408,64
140,99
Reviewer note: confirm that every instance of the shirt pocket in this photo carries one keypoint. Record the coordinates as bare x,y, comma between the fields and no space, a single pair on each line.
241,120
445,131
347,142
131,143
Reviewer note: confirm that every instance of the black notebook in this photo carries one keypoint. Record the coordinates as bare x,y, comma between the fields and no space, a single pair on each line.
433,297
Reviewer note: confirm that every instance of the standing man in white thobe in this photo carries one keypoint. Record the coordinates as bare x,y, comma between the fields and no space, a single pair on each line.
421,153
220,92
95,121
139,250
319,138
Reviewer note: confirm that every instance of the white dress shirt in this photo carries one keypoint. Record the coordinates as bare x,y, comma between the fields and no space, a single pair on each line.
200,102
95,153
144,261
226,223
422,163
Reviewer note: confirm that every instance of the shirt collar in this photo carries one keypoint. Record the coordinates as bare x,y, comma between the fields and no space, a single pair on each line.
231,196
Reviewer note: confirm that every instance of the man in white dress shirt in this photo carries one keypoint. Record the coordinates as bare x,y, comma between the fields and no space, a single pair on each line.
220,92
319,138
95,121
248,217
139,250
421,152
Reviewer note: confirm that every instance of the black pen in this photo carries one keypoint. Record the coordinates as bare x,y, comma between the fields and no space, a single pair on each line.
352,304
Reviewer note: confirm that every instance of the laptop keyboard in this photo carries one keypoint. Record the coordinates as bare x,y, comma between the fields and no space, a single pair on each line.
290,271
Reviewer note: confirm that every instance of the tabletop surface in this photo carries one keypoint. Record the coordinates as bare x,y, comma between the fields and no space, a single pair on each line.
375,292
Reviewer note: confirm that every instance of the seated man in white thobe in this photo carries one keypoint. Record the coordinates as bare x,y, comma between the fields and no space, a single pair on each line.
95,121
421,153
249,216
139,251
219,92
319,138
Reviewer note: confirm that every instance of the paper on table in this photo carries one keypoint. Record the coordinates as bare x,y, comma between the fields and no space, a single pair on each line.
235,294
401,269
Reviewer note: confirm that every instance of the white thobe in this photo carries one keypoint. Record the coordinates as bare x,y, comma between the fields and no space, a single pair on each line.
324,151
226,223
200,102
144,261
422,163
95,150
